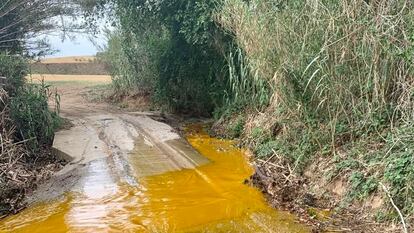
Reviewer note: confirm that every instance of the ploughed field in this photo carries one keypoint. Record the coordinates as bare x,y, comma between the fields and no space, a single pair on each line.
86,65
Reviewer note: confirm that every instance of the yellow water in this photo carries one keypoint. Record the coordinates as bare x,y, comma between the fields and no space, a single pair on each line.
211,198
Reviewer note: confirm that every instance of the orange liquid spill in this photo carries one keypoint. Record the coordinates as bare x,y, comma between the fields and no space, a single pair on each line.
211,198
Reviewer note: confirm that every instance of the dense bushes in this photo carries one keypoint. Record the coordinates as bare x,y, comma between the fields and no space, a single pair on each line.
30,112
15,69
172,50
35,122
133,60
191,80
26,126
21,21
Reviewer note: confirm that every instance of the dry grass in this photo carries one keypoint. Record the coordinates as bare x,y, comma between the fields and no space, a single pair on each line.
341,78
82,79
70,60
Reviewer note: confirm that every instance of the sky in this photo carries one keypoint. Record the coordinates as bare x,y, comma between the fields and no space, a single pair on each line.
80,45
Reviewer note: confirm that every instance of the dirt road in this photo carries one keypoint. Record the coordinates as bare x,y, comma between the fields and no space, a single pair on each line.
131,173
101,131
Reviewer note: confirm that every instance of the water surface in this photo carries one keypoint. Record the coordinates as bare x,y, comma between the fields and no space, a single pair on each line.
211,198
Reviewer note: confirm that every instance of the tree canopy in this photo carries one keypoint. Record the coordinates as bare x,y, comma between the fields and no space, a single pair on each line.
23,20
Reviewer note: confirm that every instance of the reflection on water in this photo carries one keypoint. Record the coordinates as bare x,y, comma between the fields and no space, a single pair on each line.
211,198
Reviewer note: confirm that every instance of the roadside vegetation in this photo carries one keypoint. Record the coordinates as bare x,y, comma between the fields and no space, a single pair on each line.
27,129
173,52
27,124
322,88
340,75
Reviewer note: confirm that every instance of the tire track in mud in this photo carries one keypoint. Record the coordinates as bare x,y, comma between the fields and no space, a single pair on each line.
117,158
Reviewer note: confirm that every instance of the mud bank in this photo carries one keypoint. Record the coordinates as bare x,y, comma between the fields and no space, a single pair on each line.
315,205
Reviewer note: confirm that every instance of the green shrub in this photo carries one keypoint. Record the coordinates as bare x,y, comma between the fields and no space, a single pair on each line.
386,158
362,186
188,79
15,69
236,128
171,50
34,121
398,157
133,60
267,149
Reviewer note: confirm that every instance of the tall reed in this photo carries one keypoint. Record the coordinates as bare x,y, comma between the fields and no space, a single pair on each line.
341,79
339,62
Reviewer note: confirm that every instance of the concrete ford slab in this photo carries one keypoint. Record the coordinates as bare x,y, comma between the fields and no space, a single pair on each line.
151,146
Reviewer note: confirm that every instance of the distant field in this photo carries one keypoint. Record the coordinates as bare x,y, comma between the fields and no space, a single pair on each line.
62,79
70,60
78,65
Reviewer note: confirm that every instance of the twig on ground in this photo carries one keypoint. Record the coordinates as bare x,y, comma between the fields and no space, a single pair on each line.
395,207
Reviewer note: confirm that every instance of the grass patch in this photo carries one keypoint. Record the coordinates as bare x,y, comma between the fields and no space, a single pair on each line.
98,93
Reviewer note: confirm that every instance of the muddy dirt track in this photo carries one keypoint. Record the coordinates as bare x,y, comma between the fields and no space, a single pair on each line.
131,173
102,131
